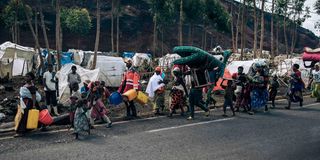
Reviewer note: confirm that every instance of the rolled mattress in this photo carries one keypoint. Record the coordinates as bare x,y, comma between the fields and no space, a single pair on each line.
311,56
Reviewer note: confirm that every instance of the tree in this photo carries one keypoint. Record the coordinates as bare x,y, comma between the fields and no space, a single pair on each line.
237,29
112,24
180,23
194,10
58,32
255,32
27,10
243,28
317,7
164,12
282,9
272,30
298,10
96,45
44,31
262,27
77,21
118,24
13,17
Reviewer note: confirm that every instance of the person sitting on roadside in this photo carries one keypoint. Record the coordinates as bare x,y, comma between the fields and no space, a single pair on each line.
73,77
78,111
105,92
30,99
98,109
85,90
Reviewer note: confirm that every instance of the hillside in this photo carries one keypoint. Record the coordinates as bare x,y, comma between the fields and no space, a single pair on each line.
136,31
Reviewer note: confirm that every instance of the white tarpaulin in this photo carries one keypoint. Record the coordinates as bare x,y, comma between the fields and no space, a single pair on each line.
78,55
285,68
166,61
8,44
19,56
139,58
233,65
62,75
111,69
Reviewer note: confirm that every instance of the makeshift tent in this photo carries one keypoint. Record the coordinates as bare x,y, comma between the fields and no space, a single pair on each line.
66,58
226,75
233,65
19,58
62,75
166,61
78,55
140,58
111,69
8,44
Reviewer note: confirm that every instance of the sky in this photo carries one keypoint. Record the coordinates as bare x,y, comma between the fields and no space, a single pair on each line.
309,23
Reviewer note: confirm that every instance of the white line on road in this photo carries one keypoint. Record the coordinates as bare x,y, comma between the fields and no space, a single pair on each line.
314,104
188,125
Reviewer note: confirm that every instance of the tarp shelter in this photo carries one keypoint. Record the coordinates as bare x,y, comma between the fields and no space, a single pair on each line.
78,56
16,61
111,69
62,75
66,58
233,65
140,58
166,61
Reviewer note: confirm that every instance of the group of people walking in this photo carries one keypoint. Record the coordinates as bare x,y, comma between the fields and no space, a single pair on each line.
249,92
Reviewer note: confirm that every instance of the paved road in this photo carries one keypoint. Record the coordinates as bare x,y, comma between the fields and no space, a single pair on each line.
279,134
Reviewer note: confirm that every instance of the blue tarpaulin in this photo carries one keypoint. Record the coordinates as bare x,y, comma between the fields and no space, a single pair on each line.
128,54
66,57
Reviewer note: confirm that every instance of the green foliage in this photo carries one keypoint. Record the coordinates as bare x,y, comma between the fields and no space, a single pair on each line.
194,11
317,6
216,15
164,11
76,20
14,9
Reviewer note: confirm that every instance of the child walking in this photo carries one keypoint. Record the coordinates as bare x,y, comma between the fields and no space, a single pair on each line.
228,97
273,89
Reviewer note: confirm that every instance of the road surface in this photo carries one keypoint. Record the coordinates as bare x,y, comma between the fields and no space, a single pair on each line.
278,135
